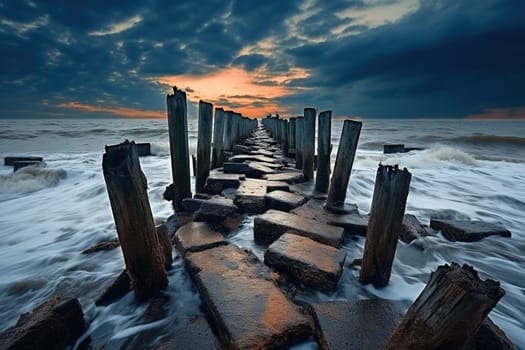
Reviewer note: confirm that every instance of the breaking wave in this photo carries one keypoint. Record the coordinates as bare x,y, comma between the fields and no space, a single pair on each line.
31,179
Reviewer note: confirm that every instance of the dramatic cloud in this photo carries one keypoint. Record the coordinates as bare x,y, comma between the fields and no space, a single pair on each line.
369,58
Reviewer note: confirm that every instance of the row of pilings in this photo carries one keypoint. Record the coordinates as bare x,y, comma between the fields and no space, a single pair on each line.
217,139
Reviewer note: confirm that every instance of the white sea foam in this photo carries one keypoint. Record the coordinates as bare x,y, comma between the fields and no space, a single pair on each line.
44,228
31,178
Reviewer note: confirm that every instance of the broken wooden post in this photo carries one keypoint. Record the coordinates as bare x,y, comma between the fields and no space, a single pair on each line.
324,148
308,143
203,145
127,190
386,215
299,135
343,163
218,134
448,311
180,156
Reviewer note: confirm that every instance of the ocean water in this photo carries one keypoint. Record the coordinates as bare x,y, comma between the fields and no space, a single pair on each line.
48,216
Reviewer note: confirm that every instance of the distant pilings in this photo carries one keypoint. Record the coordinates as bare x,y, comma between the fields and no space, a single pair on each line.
299,137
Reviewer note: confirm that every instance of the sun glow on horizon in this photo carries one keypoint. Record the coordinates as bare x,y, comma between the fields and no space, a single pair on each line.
118,111
251,93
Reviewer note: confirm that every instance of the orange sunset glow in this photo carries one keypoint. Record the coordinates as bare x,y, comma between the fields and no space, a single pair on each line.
251,93
118,111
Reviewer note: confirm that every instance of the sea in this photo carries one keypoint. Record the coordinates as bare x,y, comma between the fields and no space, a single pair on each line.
468,169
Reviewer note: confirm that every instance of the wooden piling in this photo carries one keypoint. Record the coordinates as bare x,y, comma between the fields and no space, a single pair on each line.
343,163
291,134
203,145
448,311
299,136
309,143
324,148
180,157
228,128
127,190
384,224
218,134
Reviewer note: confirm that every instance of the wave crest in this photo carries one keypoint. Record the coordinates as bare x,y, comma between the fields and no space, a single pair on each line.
31,179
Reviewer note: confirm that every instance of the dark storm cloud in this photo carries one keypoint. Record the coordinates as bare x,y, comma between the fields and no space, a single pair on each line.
452,57
446,58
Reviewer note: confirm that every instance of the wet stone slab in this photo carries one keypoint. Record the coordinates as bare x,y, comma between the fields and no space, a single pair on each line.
197,236
353,223
359,325
282,200
312,263
218,181
249,197
287,176
241,299
249,157
269,226
467,231
277,186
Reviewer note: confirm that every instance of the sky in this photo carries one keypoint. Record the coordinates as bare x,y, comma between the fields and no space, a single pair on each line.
358,58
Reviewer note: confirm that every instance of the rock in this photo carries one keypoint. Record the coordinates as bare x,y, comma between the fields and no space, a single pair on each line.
307,261
240,149
467,231
143,149
272,166
192,204
116,290
55,324
216,210
233,167
216,182
282,200
12,160
177,220
107,245
277,186
25,163
395,148
197,236
250,196
250,169
269,226
196,335
411,229
244,304
169,193
361,324
353,223
202,196
290,177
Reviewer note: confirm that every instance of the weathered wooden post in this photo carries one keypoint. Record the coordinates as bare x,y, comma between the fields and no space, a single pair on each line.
324,148
218,132
291,137
448,311
203,145
309,143
386,215
179,149
299,136
127,190
228,127
343,164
